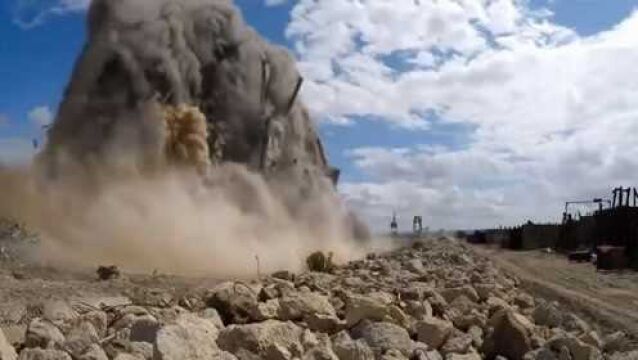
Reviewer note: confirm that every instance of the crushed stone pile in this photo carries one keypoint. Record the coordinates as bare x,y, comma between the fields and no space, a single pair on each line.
433,300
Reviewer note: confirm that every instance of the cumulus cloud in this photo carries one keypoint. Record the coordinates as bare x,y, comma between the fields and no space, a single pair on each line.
31,13
554,113
40,116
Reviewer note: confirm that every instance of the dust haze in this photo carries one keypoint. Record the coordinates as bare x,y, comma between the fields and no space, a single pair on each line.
181,146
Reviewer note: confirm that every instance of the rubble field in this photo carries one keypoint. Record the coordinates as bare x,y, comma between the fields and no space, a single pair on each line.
607,298
432,299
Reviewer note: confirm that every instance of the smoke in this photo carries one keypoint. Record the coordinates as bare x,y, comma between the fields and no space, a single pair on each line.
176,221
181,146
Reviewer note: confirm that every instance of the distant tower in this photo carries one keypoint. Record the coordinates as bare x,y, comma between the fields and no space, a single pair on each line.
394,225
417,225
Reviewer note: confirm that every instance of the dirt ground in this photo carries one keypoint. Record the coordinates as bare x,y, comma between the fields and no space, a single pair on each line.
608,300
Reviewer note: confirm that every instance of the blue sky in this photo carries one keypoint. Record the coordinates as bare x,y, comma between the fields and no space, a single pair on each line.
439,133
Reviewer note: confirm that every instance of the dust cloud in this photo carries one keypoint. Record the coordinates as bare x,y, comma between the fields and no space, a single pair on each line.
175,221
181,146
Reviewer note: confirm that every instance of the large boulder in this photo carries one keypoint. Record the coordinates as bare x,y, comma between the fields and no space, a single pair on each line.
80,338
298,306
234,302
42,333
384,336
189,338
348,349
7,352
578,349
361,307
547,314
433,331
262,340
510,336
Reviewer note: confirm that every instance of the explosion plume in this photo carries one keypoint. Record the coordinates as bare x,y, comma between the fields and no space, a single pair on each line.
181,145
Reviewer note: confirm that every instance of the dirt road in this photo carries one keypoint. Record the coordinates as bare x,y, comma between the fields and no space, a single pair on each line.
608,300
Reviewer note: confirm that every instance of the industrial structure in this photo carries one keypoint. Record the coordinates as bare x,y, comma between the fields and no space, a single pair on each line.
609,234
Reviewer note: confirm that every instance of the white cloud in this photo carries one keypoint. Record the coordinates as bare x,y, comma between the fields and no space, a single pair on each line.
31,13
40,116
555,114
15,151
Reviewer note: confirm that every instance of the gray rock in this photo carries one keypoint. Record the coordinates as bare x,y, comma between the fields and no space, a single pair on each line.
418,309
383,336
94,352
616,341
457,344
348,349
470,356
12,312
43,354
98,319
58,312
421,354
41,333
15,334
393,355
450,294
7,352
126,356
190,338
540,354
212,315
415,266
573,323
329,324
577,349
265,310
302,304
547,314
524,301
630,355
146,329
80,338
257,339
592,338
433,332
142,349
360,307
233,301
510,337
